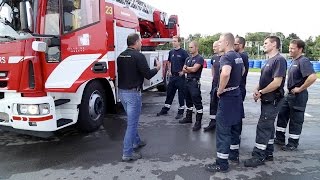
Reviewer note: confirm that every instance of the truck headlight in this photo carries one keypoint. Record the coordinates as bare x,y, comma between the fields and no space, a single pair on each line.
33,109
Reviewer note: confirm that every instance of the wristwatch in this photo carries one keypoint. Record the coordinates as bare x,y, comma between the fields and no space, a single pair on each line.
260,91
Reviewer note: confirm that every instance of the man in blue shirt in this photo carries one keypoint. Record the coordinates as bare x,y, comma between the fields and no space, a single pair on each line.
177,57
230,107
193,69
215,71
270,91
301,75
239,46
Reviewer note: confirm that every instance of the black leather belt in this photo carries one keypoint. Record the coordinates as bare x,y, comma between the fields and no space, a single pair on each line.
135,89
192,79
175,74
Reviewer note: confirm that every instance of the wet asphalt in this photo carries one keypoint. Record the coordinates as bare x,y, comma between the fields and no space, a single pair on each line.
173,151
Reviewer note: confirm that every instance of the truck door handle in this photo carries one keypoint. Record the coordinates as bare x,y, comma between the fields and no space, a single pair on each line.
100,67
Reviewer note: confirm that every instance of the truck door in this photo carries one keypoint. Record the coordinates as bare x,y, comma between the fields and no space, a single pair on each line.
81,48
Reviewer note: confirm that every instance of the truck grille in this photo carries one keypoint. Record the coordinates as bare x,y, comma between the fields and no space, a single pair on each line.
3,84
1,95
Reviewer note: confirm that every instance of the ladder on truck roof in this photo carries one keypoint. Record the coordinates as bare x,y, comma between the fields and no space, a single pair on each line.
141,9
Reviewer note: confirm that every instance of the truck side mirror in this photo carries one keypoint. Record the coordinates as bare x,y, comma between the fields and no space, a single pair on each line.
26,16
39,46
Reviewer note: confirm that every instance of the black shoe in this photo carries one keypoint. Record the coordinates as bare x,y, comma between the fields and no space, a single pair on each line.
215,168
197,126
234,160
133,157
269,158
289,148
179,116
279,142
140,145
162,112
253,162
211,126
185,121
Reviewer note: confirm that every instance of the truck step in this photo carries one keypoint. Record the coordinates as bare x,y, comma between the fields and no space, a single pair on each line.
62,122
59,102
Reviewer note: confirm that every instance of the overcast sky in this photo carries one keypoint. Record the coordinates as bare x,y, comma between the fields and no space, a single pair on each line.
241,16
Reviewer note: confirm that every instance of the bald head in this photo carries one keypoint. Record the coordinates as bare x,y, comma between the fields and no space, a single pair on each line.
215,47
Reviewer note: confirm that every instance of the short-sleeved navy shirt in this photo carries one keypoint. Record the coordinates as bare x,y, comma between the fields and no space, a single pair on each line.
245,58
191,61
234,60
215,62
177,57
274,67
299,71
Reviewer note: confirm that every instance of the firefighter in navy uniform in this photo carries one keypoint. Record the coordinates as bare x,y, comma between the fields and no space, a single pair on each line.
239,46
193,69
177,58
301,75
215,70
230,106
270,91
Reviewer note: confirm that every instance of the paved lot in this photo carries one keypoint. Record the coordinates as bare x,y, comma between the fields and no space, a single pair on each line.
173,150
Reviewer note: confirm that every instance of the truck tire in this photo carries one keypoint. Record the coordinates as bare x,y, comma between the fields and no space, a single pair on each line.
92,107
163,86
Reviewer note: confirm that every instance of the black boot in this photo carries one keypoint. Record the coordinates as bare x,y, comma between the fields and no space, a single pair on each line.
197,125
253,162
180,114
163,111
211,126
188,118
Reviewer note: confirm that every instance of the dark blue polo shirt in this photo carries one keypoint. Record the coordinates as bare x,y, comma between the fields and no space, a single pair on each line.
215,61
177,57
275,67
234,60
245,58
299,71
191,61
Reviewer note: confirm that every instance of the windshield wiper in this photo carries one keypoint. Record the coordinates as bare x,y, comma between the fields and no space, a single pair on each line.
9,37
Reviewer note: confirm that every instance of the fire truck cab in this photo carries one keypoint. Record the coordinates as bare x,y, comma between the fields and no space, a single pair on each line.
58,59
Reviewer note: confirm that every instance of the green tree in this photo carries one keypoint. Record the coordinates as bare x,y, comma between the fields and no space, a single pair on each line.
316,48
309,45
205,44
286,42
254,43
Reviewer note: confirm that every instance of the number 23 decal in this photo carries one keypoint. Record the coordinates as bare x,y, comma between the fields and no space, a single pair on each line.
109,10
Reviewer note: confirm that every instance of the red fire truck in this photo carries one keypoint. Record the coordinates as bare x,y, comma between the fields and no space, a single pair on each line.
57,59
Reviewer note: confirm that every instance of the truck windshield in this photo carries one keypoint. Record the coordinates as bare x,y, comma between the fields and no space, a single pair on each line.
10,21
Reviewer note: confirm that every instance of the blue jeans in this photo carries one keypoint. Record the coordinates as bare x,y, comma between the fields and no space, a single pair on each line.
132,102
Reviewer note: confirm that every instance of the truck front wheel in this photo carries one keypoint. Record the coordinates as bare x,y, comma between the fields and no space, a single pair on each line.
92,107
